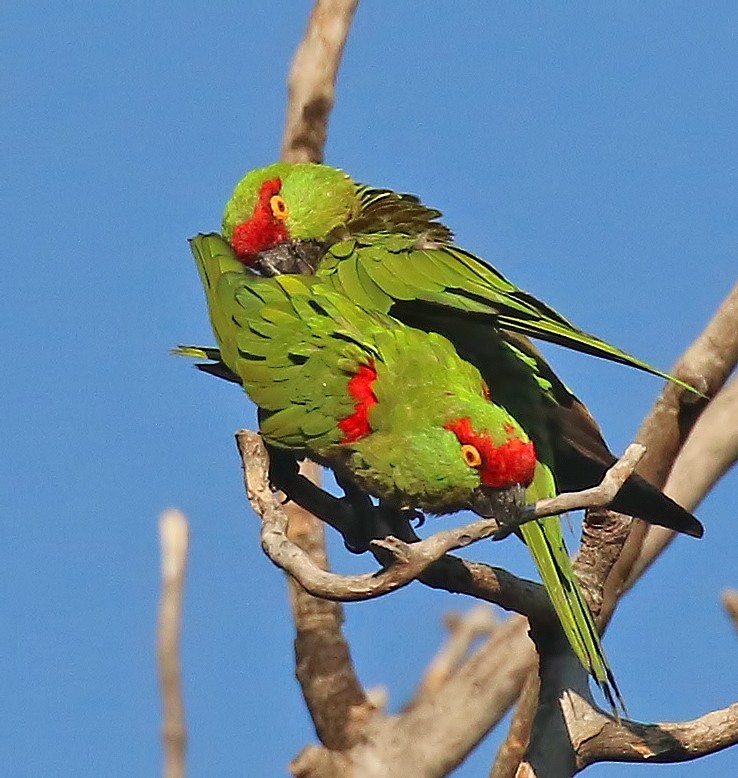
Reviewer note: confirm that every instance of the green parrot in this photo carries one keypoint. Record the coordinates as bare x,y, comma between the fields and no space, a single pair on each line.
388,252
392,409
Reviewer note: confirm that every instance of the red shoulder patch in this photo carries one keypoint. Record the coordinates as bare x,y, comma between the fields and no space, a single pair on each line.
512,463
360,388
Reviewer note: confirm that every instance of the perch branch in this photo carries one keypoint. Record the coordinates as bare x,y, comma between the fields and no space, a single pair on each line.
597,496
332,692
407,560
174,541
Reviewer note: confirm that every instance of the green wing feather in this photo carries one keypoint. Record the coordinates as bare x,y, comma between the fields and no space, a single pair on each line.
385,211
292,344
396,272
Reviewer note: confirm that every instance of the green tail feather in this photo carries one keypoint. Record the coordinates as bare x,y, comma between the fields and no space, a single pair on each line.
546,543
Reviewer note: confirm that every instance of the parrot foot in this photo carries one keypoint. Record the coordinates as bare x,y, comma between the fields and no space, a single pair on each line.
508,527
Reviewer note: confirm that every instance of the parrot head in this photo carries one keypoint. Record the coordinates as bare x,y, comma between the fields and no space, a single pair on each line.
287,202
478,461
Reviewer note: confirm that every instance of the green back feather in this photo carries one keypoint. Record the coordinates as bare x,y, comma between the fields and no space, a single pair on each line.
382,270
385,247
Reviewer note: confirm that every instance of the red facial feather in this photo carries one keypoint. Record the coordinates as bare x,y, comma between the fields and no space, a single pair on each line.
512,463
263,230
356,425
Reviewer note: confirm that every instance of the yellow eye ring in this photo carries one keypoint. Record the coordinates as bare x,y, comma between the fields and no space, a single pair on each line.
471,455
279,207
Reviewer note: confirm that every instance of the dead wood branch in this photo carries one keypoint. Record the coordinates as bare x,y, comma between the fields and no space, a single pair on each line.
730,603
577,734
335,698
598,738
706,364
600,495
332,691
312,80
174,541
408,560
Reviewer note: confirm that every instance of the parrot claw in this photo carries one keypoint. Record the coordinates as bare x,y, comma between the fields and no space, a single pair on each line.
417,516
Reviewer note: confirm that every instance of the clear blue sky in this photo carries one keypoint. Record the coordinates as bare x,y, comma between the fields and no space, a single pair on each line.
588,150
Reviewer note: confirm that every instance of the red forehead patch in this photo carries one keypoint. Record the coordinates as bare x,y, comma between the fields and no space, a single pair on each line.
512,463
263,230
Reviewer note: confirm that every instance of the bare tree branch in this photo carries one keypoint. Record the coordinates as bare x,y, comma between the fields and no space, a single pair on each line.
598,738
706,364
708,453
174,541
335,698
312,80
598,496
730,603
463,631
407,560
576,733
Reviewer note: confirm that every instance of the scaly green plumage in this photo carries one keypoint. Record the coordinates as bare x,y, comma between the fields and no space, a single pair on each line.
388,252
385,268
382,248
295,345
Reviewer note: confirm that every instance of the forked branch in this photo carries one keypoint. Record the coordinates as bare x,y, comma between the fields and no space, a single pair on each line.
407,560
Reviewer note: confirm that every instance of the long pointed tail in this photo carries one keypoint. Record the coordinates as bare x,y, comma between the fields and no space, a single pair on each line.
546,544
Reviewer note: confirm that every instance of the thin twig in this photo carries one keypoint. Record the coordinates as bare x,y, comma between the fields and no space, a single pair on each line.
174,539
730,603
597,496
